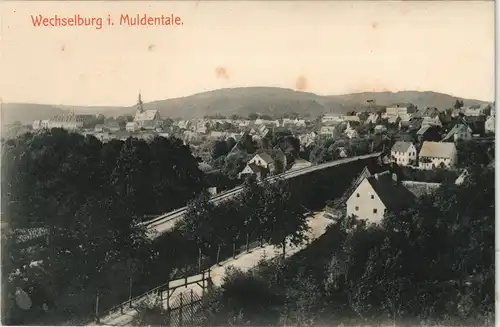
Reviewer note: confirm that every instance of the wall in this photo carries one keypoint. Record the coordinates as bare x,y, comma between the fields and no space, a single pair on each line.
365,204
436,162
320,186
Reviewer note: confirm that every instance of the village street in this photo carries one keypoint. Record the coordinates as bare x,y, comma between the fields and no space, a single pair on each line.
318,222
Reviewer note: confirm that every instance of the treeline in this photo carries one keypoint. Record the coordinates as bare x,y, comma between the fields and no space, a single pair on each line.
330,149
263,212
431,264
88,197
231,156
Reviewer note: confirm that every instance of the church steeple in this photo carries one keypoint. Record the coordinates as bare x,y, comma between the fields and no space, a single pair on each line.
139,103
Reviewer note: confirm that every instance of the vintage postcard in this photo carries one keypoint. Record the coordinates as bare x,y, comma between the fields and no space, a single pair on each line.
248,163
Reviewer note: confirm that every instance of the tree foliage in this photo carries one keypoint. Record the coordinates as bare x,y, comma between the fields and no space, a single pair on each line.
89,197
430,264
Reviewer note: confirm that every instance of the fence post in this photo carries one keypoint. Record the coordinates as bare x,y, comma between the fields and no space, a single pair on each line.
97,309
218,254
203,284
199,259
180,310
247,244
168,297
130,293
209,279
234,249
192,308
185,276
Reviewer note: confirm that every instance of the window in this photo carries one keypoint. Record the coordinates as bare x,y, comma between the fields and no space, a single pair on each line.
373,196
356,208
357,195
374,210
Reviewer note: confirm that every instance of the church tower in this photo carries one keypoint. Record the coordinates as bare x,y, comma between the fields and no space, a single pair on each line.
139,104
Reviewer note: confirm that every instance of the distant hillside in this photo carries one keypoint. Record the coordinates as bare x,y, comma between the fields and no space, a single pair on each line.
243,101
420,99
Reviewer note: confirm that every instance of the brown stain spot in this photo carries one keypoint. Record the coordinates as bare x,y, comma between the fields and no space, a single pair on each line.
374,25
221,72
151,47
63,48
301,83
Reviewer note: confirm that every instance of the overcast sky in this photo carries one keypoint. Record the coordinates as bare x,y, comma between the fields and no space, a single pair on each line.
327,47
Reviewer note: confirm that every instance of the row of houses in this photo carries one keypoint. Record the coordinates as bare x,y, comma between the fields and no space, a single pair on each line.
432,155
372,195
69,121
406,117
264,164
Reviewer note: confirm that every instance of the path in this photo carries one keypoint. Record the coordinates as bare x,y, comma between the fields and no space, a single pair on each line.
317,222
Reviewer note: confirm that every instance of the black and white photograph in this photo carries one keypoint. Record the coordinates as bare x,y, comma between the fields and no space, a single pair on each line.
248,163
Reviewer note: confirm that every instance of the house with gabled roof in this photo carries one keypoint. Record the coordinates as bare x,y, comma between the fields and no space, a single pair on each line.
337,206
372,195
263,160
403,153
489,125
376,195
437,155
253,169
458,132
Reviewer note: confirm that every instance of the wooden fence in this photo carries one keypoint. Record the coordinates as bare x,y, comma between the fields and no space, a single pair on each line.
164,293
186,310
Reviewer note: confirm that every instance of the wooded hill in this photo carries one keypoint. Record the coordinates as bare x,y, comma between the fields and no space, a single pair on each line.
243,101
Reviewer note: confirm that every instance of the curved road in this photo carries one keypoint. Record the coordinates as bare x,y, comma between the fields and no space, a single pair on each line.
164,223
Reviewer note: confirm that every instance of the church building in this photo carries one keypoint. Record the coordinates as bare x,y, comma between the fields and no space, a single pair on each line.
146,119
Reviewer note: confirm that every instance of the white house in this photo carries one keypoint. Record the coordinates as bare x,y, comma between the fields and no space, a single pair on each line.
69,121
404,153
459,132
184,124
463,176
489,124
380,129
473,111
372,118
350,132
331,118
253,169
396,111
351,119
327,130
308,139
376,195
437,155
40,124
263,160
431,121
131,127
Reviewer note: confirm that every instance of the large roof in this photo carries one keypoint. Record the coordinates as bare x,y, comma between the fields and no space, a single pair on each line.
258,169
266,157
458,128
420,188
437,149
145,115
394,195
401,146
